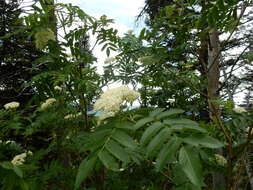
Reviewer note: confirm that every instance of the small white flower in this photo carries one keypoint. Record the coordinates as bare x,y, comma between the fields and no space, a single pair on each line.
47,103
11,105
58,88
239,110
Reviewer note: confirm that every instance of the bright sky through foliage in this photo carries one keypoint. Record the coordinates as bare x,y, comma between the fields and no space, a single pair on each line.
123,12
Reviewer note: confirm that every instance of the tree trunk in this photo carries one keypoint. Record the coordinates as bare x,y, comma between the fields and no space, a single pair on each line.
203,62
213,75
249,172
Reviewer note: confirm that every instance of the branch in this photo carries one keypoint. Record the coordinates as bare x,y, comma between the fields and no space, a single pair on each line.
232,69
229,37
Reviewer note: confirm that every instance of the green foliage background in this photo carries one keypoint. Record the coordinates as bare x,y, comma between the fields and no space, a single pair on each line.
168,142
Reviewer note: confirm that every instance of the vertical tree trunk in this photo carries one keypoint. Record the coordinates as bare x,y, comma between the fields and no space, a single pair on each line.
249,172
203,62
213,75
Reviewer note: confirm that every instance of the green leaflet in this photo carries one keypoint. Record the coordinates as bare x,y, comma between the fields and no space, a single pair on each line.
118,151
124,139
187,186
167,153
169,113
179,124
188,127
9,166
95,140
150,132
142,122
191,165
180,121
18,171
203,140
23,184
124,125
221,5
156,112
108,160
142,33
157,142
84,170
98,134
6,165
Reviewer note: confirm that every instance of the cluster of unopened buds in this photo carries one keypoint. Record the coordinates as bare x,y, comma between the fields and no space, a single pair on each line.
220,160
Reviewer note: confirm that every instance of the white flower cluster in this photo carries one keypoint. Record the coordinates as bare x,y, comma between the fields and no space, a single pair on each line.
130,32
11,105
10,142
72,116
239,110
47,103
20,158
110,101
248,130
58,88
220,160
110,60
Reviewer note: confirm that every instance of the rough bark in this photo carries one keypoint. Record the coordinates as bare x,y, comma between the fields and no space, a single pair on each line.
249,173
203,62
213,75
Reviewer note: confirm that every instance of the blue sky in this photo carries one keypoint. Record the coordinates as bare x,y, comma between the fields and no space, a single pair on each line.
124,12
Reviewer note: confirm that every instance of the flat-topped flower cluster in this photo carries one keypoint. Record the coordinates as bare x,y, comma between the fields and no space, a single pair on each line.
20,158
239,110
111,100
11,105
47,103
